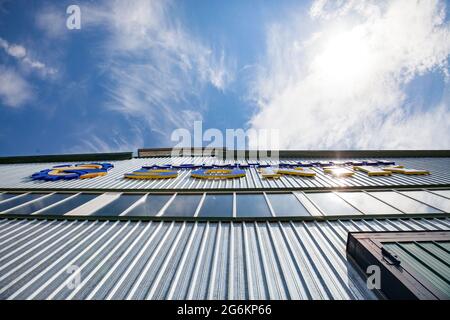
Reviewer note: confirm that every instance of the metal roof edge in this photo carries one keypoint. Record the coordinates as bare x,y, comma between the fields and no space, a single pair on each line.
224,152
67,157
181,219
336,154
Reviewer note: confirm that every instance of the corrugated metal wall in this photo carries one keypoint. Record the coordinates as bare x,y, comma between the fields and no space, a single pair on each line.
186,260
429,259
17,176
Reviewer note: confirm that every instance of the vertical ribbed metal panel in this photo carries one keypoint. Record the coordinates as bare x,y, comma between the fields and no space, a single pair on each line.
17,176
186,260
430,260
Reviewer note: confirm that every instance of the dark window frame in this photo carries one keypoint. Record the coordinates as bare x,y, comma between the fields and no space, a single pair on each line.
399,279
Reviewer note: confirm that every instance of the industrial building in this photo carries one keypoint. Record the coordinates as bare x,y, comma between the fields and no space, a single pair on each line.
226,225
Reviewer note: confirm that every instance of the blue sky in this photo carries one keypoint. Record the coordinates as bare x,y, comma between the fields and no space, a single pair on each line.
325,74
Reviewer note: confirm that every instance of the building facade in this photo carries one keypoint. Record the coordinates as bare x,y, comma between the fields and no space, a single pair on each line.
309,225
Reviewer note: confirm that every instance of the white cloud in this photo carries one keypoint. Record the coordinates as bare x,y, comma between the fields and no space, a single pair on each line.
20,53
52,21
156,69
14,90
343,85
16,51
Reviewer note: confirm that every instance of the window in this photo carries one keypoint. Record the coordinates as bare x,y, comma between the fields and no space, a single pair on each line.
184,205
331,204
443,193
431,199
6,196
252,205
403,203
367,204
19,200
68,205
412,265
149,206
39,204
217,205
116,207
286,205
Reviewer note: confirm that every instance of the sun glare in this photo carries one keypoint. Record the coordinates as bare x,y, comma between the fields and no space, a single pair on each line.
344,57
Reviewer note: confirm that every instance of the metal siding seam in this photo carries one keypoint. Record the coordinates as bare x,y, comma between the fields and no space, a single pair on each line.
248,266
84,264
231,263
6,224
222,269
185,281
198,262
49,267
275,291
119,261
152,258
182,263
314,289
432,261
279,245
321,271
214,262
258,274
167,258
45,229
241,289
439,224
283,258
337,249
206,274
27,228
98,266
53,235
330,262
37,254
92,244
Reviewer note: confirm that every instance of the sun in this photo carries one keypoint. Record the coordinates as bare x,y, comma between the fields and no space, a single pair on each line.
345,56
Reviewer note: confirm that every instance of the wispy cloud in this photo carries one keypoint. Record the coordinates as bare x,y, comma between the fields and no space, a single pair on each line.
156,69
51,19
14,89
338,78
19,52
112,141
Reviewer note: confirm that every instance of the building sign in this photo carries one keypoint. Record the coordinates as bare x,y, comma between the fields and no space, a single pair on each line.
403,170
337,169
338,172
372,170
387,171
69,172
218,173
148,173
275,173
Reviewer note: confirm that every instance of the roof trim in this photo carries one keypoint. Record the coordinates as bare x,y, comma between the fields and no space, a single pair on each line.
401,187
359,217
336,154
67,157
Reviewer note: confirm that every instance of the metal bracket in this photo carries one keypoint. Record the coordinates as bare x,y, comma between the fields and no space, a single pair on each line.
390,258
